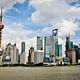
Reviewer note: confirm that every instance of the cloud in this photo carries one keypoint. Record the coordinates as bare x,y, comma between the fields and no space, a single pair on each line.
55,12
15,33
8,4
58,13
50,11
64,27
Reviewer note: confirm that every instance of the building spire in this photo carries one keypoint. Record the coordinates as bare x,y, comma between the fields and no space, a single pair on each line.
1,15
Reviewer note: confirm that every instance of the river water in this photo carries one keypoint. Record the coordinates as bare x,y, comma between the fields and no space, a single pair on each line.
40,73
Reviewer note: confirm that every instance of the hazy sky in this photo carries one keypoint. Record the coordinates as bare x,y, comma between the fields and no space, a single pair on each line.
25,19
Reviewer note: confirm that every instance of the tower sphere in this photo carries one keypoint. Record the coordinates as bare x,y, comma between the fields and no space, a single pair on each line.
1,26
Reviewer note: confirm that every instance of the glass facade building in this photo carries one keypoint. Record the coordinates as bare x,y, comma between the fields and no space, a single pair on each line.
54,41
57,50
77,49
69,45
39,43
22,47
60,50
48,46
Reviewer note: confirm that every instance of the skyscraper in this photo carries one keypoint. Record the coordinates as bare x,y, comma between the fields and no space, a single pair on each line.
1,27
77,49
16,53
69,44
35,46
23,54
39,43
58,50
50,45
47,46
70,51
54,42
22,47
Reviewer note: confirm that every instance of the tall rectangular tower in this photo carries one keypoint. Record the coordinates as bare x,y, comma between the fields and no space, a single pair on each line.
54,41
22,47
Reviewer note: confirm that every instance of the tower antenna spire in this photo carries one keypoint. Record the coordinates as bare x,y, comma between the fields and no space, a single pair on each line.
1,15
1,27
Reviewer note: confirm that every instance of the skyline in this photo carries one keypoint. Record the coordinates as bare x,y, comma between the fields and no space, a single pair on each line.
35,17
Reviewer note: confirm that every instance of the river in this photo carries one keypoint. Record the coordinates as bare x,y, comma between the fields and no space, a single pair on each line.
40,73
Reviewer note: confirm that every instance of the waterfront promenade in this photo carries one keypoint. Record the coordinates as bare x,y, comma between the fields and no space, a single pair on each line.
40,73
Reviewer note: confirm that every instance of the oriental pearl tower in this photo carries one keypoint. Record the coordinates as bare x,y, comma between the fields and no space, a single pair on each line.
1,27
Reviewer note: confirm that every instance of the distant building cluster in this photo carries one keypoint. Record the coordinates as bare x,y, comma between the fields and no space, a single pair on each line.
72,52
39,51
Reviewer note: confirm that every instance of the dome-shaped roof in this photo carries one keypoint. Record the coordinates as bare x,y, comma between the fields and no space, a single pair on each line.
1,26
6,58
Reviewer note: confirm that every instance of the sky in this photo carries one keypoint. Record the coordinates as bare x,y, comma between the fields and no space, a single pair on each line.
25,19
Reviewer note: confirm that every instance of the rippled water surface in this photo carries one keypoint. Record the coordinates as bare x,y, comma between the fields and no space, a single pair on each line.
40,73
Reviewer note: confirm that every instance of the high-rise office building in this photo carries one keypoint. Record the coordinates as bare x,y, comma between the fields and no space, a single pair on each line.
69,44
54,42
23,56
57,49
39,43
59,53
16,54
60,50
47,46
77,49
70,51
22,47
1,27
34,45
50,45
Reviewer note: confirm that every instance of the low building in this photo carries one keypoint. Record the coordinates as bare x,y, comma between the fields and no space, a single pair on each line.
66,60
71,53
13,52
31,56
38,57
6,59
1,54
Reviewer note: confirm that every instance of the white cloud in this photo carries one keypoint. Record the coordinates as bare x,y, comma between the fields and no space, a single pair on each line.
58,13
15,33
50,11
8,4
64,27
